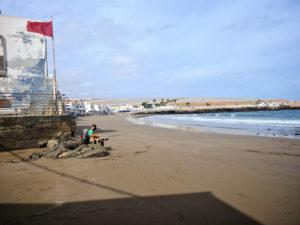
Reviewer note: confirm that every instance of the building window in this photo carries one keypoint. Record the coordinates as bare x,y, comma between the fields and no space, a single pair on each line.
3,62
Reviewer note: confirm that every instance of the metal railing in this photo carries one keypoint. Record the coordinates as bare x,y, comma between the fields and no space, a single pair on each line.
30,104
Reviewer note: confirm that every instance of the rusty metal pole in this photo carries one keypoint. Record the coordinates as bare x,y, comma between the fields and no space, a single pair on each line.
55,85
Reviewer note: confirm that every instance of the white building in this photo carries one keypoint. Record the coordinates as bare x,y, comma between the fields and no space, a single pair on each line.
23,66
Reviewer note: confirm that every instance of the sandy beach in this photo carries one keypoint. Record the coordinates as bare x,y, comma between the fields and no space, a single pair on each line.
156,176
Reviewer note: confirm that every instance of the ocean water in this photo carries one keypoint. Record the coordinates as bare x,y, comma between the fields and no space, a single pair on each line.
284,123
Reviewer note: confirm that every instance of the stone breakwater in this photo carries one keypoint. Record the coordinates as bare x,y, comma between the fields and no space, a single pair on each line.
192,110
33,131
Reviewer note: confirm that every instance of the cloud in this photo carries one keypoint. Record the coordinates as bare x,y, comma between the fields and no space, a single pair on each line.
255,23
122,65
108,32
75,81
157,30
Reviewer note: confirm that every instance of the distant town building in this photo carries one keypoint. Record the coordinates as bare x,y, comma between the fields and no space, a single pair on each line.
149,105
85,108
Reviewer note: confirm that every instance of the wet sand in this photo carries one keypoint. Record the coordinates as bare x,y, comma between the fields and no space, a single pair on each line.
157,176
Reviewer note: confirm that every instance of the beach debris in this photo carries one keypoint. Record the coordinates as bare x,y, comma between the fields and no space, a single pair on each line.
70,148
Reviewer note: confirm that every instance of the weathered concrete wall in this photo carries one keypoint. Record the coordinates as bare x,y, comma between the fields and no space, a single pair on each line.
30,131
25,55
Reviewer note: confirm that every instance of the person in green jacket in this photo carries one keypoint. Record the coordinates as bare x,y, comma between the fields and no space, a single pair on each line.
95,137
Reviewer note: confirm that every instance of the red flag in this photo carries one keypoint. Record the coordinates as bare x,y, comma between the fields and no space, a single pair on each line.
44,28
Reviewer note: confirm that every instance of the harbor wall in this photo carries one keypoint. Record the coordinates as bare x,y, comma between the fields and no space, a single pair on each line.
212,110
33,131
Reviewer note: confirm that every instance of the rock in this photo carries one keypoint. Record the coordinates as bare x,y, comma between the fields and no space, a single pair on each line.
54,154
69,154
59,134
59,202
70,148
43,143
71,144
14,161
52,145
64,154
36,156
95,151
84,150
72,153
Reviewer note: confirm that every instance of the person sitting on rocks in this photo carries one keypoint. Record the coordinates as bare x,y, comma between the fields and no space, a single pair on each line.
94,138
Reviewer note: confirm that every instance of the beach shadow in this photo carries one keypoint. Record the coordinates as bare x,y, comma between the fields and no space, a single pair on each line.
192,208
196,208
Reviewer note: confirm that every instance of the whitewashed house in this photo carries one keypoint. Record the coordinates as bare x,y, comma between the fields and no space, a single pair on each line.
24,81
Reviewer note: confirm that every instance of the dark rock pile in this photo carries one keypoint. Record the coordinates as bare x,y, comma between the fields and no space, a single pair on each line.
70,148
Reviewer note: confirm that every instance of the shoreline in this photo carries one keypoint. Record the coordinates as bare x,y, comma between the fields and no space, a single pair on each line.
139,121
219,127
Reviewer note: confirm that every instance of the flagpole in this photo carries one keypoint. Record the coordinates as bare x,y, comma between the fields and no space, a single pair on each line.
54,71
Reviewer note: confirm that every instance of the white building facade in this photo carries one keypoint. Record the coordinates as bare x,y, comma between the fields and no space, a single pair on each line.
23,65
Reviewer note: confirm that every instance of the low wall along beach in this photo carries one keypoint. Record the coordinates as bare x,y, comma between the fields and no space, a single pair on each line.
33,131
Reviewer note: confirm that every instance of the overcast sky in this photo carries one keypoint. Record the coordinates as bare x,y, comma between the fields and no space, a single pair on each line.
172,48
